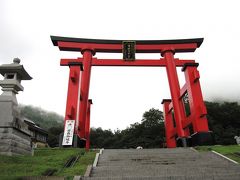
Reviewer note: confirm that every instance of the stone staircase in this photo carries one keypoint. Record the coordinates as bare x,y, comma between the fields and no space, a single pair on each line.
163,164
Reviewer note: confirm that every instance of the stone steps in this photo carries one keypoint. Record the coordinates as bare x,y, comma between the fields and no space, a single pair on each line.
195,177
178,163
148,172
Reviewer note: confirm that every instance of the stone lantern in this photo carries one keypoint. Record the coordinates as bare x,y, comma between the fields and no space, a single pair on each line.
14,133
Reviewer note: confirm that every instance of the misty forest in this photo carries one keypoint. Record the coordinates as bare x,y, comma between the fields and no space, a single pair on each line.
223,118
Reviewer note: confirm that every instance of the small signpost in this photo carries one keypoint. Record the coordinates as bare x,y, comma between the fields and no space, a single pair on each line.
68,133
129,50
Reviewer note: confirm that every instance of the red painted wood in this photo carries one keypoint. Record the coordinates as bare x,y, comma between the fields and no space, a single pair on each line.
85,83
82,114
120,62
197,106
175,92
73,86
169,127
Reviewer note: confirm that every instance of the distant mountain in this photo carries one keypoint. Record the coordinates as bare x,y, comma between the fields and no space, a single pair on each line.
41,117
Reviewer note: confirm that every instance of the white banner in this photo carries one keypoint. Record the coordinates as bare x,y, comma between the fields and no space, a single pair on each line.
68,133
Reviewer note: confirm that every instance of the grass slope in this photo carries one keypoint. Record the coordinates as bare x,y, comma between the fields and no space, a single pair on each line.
44,159
231,151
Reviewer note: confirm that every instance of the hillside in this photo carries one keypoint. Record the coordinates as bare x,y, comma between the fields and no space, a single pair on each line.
50,121
41,117
223,118
47,162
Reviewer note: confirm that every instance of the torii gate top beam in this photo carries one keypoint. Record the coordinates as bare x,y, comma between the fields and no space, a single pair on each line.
115,46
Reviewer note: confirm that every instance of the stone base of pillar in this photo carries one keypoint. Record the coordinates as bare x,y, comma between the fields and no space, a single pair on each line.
183,141
202,138
77,142
14,142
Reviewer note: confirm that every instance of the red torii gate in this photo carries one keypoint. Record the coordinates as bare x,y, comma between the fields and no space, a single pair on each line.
184,114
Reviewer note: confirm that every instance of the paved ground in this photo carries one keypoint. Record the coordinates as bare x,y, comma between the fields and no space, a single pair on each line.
163,164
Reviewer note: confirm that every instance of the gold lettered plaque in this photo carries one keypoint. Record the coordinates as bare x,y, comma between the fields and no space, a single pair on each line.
129,50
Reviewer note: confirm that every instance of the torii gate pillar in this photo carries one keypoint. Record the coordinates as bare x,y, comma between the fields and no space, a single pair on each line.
85,84
175,93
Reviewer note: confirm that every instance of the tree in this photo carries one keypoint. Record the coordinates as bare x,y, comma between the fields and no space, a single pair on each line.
223,118
153,117
53,136
154,131
101,138
149,133
224,121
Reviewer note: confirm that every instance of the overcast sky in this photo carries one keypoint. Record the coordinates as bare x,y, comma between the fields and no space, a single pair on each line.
120,94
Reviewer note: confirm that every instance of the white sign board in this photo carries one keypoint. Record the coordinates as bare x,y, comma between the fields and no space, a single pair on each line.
68,133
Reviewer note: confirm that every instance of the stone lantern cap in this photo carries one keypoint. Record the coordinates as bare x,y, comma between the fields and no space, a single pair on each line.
15,67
